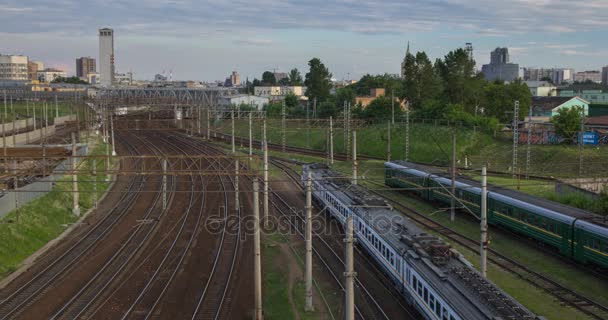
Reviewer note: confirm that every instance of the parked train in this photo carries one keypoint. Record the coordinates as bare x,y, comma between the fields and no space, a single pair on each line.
433,277
576,234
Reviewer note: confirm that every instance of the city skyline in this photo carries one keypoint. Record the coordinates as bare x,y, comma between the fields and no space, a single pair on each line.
351,38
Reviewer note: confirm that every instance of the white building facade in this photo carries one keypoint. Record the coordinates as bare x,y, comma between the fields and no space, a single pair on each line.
106,57
48,75
278,91
13,68
243,99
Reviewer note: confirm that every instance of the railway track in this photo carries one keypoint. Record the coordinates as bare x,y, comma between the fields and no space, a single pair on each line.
24,296
212,301
81,301
149,280
567,296
367,305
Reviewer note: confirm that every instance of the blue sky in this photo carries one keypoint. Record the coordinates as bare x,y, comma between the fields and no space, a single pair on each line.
207,39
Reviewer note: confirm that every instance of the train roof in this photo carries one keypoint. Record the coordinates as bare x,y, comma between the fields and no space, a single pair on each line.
530,207
551,206
591,227
473,296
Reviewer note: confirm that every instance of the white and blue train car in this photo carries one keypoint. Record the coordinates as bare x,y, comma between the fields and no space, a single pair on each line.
432,277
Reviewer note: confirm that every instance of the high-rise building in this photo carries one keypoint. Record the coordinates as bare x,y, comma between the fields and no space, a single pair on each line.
605,75
84,66
32,70
235,78
584,76
500,67
106,56
13,68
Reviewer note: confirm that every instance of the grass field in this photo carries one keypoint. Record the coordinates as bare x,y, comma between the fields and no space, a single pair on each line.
22,110
432,145
535,299
24,231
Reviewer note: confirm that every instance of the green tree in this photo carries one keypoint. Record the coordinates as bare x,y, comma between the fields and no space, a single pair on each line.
567,122
291,101
327,109
386,81
273,110
70,80
268,78
318,81
346,94
421,82
380,108
456,71
295,77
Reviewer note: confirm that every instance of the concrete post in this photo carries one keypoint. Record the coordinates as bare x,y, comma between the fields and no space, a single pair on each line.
95,183
283,137
484,222
265,147
354,157
208,125
388,142
34,115
407,131
56,108
14,130
257,263
27,122
250,140
349,274
15,186
331,140
198,118
453,191
112,126
76,209
309,306
164,183
237,204
232,136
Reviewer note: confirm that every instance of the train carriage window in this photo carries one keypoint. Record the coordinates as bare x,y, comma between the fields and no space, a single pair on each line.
452,317
432,302
426,295
445,314
438,308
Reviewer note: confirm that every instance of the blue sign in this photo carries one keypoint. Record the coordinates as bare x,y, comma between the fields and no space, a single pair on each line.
591,138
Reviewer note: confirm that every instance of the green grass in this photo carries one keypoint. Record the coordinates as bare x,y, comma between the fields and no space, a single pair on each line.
276,292
24,231
432,145
535,299
21,110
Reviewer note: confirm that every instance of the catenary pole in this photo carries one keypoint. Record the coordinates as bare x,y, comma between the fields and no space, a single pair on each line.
349,274
309,305
265,151
331,140
354,157
453,191
76,207
388,142
484,222
257,264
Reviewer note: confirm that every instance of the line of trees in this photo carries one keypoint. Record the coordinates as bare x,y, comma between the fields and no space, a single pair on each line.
448,89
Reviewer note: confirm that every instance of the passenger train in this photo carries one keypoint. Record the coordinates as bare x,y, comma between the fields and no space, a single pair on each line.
575,233
433,277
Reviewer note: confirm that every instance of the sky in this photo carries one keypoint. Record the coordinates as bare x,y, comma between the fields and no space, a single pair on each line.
207,39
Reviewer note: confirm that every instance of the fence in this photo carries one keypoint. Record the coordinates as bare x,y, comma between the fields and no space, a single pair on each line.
36,189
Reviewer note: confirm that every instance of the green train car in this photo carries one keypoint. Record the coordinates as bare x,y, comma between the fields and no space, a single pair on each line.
572,234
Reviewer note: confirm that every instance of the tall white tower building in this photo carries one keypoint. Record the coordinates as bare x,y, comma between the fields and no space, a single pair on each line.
106,56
